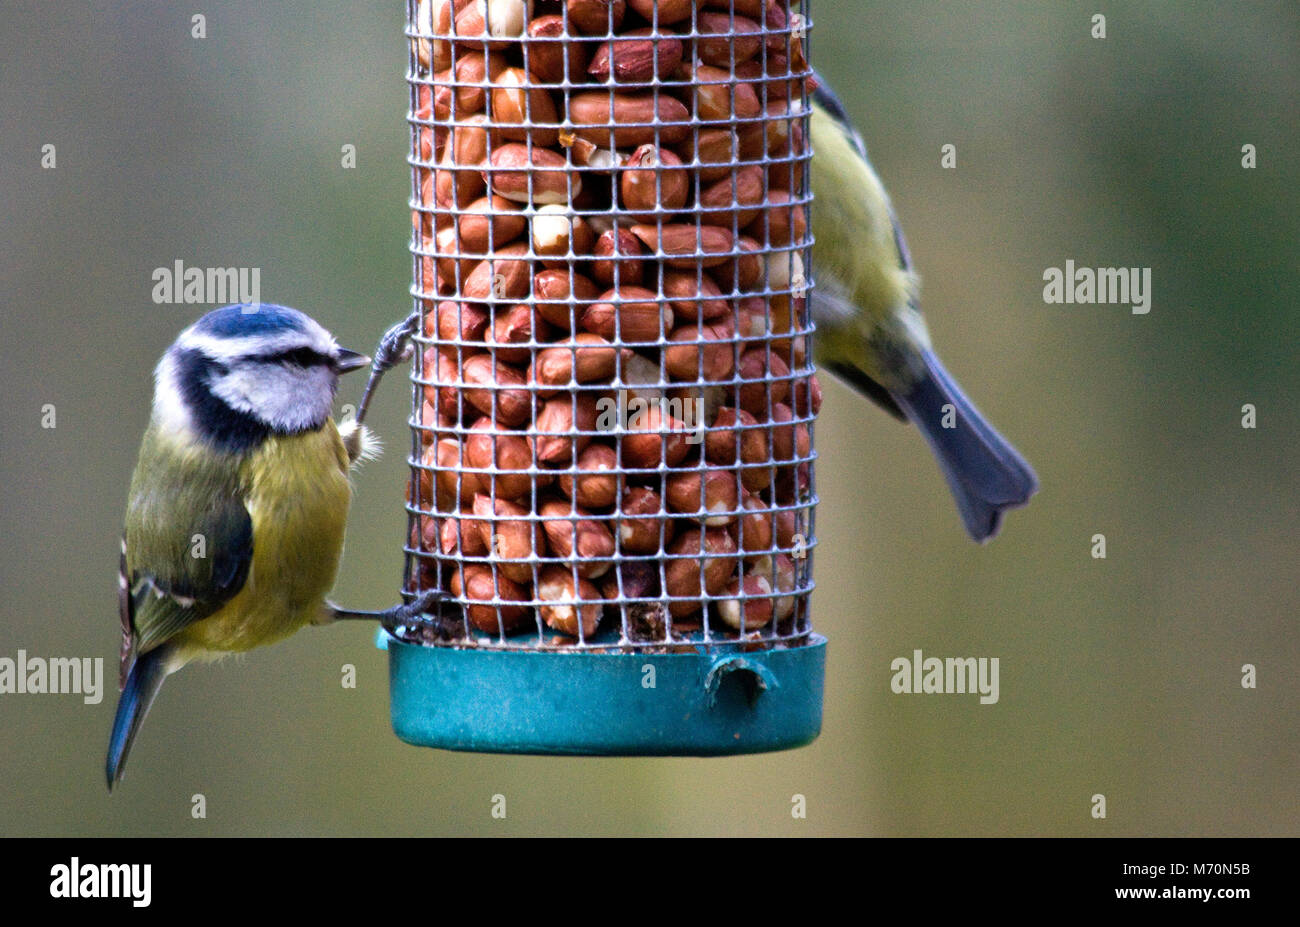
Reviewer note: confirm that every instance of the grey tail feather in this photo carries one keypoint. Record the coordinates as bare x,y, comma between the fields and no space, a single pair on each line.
985,473
137,697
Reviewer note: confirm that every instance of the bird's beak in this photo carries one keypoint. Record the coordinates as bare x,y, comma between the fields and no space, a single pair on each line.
346,361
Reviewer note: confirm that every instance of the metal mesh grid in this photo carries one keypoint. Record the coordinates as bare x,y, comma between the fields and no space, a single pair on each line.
613,397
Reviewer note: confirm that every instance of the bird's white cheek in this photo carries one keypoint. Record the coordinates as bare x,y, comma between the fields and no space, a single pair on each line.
243,390
290,399
169,409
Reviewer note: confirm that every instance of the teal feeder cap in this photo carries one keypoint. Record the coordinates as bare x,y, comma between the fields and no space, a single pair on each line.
710,701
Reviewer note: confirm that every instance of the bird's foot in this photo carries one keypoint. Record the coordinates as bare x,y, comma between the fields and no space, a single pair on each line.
424,613
394,348
425,609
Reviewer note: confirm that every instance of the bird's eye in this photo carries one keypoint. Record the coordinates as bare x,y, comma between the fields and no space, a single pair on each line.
299,357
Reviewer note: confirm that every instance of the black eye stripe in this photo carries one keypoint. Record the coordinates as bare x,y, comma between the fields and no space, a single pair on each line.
299,357
303,357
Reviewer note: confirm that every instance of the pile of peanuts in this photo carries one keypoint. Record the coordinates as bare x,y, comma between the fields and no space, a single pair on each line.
610,211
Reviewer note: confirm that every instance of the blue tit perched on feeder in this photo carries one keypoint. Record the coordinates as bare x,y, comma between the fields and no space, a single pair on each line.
235,521
870,331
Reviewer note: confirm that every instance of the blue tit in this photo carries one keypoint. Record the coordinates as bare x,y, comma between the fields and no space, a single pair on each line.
234,525
870,331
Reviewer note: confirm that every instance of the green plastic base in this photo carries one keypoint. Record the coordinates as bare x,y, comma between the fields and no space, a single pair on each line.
707,703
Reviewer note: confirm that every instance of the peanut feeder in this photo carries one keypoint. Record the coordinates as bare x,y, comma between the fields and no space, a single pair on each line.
612,452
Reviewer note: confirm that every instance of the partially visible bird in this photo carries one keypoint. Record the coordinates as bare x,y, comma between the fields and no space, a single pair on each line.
870,331
236,514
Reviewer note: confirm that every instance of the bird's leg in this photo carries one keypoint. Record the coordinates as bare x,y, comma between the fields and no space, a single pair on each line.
424,610
394,348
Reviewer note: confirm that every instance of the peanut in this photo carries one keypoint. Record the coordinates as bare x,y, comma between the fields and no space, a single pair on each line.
643,519
663,12
653,181
574,536
595,486
521,109
708,496
701,352
782,219
511,535
445,461
697,567
564,427
732,430
652,439
557,233
467,78
546,48
732,41
629,314
456,322
492,23
490,222
719,97
508,454
596,17
517,325
789,441
636,57
577,607
441,367
685,245
477,584
618,254
553,290
726,200
495,388
584,358
768,381
628,120
753,530
462,535
633,579
503,277
807,395
695,299
710,153
537,178
749,613
779,571
744,271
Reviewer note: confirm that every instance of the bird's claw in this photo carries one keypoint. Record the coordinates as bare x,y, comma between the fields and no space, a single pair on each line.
425,613
395,346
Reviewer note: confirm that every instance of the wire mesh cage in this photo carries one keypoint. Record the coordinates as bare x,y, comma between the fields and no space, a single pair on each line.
613,398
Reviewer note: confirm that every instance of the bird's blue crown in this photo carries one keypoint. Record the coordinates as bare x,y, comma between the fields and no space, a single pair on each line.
244,319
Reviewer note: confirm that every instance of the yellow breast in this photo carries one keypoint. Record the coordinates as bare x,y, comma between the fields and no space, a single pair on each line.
297,494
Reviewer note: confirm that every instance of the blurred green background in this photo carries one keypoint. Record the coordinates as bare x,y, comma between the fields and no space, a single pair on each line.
1119,676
